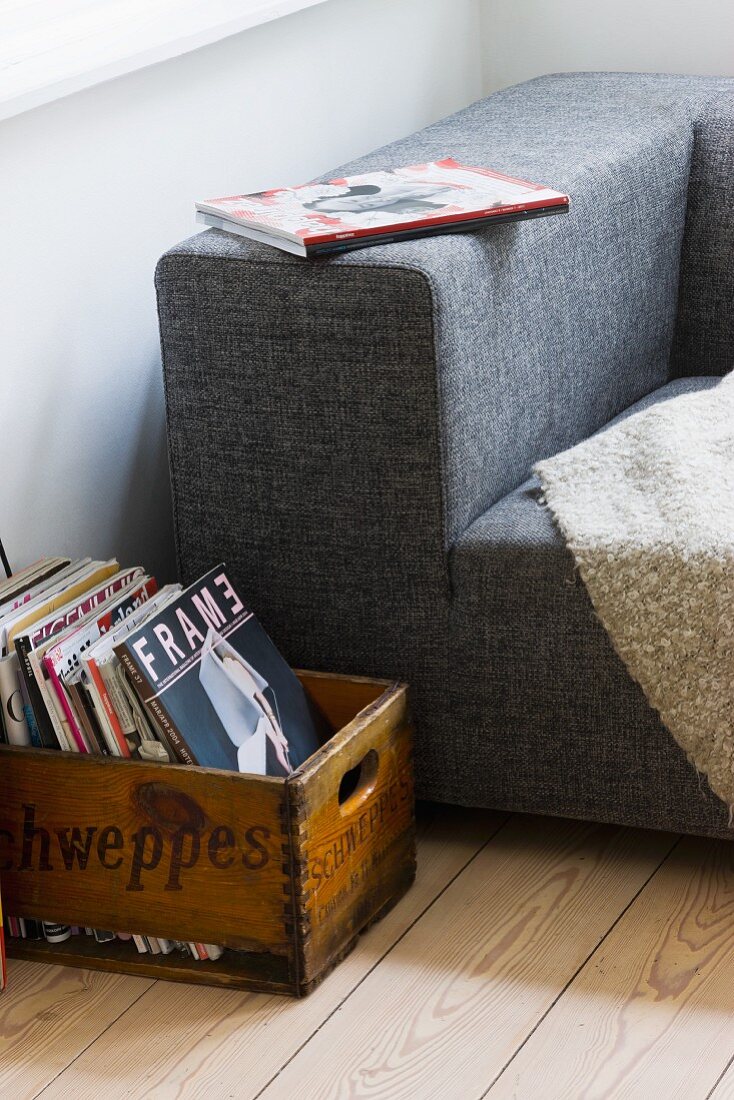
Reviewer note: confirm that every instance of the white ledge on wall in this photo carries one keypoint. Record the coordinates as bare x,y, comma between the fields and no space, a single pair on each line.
51,48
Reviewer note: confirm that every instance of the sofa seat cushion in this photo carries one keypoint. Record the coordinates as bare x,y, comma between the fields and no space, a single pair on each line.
546,704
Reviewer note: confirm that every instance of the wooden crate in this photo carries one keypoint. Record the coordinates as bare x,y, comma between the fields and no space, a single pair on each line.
284,873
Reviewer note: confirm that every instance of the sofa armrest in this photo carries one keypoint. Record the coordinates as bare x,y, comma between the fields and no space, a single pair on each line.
304,443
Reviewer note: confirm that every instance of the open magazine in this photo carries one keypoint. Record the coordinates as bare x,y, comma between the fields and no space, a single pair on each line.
419,200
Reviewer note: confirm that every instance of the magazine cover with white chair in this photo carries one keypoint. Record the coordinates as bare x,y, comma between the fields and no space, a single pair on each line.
239,695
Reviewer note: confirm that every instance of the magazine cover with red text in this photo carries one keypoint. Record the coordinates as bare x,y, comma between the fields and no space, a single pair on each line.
378,207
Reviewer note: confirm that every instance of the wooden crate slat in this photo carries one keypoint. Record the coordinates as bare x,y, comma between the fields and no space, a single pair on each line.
237,970
135,847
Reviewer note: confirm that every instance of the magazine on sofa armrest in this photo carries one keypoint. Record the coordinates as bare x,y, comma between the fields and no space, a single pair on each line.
443,196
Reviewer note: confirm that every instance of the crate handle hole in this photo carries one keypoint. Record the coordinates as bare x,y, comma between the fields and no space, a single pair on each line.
359,782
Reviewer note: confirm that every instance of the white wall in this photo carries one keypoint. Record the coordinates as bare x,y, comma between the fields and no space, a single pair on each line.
526,38
93,188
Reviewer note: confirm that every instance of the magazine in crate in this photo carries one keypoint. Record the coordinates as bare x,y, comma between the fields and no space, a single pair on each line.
419,200
62,686
217,690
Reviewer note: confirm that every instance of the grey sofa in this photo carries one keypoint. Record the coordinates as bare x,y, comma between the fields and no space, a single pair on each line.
355,436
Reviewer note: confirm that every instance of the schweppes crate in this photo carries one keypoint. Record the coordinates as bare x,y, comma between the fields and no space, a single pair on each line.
283,873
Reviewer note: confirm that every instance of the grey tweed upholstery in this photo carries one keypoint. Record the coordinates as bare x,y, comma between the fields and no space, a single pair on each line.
526,641
704,335
350,434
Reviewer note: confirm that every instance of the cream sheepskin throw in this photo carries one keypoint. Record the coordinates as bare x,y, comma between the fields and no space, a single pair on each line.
647,509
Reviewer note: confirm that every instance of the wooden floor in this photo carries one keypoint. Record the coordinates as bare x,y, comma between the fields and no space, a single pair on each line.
534,959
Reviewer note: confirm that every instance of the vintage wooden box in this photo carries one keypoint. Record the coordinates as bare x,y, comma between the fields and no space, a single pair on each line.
284,873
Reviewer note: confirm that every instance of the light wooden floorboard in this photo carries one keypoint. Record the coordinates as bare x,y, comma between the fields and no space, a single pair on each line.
182,1041
724,1087
534,959
451,1003
650,1015
49,1014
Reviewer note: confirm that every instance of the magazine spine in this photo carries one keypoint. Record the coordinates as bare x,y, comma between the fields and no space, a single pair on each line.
82,595
79,701
28,711
20,594
131,599
336,235
33,929
44,721
63,698
52,708
160,717
117,698
99,690
311,238
14,719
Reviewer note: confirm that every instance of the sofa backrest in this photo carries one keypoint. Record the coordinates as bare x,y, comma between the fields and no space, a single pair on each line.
546,330
704,337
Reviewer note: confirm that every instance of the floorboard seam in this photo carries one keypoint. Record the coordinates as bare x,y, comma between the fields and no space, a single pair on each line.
91,1043
719,1079
576,973
382,957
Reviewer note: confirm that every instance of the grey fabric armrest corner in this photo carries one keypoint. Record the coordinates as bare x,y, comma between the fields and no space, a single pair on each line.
302,408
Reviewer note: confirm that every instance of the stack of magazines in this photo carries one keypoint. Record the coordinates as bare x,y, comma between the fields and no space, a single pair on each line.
95,658
420,200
